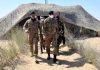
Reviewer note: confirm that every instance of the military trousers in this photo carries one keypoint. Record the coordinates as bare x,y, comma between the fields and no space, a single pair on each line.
33,43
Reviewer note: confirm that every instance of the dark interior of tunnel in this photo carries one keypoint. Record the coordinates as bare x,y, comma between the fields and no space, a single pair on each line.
22,22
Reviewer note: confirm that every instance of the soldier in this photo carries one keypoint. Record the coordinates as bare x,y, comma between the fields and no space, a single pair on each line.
42,41
50,33
61,36
60,28
31,27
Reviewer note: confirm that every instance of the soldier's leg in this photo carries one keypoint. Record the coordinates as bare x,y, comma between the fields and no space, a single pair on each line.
55,50
59,39
58,45
55,53
30,38
41,43
36,49
63,38
47,45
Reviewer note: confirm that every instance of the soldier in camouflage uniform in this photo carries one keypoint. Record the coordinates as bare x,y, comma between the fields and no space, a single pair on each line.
42,41
60,28
32,26
61,37
50,33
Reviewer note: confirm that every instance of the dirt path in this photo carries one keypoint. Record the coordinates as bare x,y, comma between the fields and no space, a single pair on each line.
71,61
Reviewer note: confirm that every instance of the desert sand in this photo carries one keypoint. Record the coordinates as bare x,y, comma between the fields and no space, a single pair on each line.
67,61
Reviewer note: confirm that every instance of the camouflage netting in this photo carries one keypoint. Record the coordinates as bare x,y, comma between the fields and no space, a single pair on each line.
72,14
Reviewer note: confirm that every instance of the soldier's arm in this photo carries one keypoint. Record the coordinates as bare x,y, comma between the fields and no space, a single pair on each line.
40,31
62,24
25,26
45,24
40,28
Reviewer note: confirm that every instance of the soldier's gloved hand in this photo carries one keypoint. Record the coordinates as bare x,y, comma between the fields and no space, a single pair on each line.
26,31
23,28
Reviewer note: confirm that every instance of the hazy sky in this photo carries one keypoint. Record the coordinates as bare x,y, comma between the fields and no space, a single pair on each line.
91,6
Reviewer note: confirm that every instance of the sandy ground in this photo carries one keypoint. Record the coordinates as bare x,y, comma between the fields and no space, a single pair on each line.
68,61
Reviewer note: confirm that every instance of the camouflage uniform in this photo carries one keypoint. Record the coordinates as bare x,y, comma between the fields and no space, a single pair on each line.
41,35
32,25
60,28
61,32
50,33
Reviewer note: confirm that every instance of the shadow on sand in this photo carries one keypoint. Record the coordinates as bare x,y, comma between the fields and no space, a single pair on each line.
77,63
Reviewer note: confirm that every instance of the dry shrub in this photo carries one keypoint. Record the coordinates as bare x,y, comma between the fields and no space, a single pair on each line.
15,44
20,38
90,51
7,53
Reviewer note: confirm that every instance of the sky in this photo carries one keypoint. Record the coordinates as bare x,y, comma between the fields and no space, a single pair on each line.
91,6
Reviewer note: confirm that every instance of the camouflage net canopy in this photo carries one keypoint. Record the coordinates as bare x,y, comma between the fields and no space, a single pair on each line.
71,14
